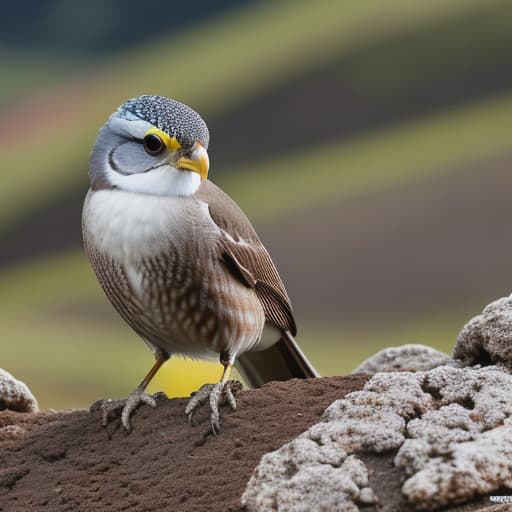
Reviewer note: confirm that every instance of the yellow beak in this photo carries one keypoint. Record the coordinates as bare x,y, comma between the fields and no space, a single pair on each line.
198,161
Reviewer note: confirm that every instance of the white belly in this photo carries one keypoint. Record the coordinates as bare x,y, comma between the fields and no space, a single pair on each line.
132,228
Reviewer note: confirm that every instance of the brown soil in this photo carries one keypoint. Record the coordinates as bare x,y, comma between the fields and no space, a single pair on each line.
66,461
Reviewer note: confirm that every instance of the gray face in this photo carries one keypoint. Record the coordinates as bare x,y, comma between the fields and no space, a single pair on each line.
120,149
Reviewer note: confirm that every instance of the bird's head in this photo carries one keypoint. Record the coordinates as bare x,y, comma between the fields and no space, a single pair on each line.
151,145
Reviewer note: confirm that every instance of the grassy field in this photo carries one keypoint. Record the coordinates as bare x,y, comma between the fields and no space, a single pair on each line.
59,334
374,162
31,73
239,64
57,331
338,350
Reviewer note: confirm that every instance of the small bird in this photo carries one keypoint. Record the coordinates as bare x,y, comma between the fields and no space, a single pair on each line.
179,260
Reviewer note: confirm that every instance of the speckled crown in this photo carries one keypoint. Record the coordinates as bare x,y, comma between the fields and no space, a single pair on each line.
170,116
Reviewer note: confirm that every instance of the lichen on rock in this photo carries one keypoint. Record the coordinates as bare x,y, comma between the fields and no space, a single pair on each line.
487,338
451,428
464,470
412,357
15,395
463,447
304,475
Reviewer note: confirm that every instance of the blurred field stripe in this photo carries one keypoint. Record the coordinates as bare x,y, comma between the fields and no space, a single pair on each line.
58,333
56,329
387,158
213,67
55,324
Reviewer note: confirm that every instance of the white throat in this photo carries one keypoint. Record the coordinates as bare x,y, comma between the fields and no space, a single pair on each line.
162,181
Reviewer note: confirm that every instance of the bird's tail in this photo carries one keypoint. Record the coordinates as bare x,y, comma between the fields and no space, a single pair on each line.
282,361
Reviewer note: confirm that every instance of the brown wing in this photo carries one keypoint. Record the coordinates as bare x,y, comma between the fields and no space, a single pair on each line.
246,257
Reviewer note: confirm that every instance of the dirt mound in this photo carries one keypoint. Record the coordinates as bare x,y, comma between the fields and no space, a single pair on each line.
62,461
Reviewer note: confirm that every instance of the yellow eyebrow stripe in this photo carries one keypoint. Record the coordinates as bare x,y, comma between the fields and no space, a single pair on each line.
170,142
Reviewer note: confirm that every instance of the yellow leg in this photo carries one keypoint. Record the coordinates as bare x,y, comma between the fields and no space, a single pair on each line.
226,372
154,369
136,398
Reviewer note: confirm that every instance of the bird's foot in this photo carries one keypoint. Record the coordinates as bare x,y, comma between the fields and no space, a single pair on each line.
111,408
217,394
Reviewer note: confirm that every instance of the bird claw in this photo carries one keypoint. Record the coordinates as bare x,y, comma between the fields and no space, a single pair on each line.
216,394
110,408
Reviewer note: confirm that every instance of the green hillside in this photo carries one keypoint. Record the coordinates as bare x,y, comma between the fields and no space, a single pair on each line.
57,331
238,64
68,328
387,158
61,336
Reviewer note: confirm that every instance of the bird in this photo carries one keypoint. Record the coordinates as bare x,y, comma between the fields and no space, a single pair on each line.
178,258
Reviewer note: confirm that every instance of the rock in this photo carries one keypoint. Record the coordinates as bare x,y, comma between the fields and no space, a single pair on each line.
462,448
406,357
15,395
451,430
304,476
487,338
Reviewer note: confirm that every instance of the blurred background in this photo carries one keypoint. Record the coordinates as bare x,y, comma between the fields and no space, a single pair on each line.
370,144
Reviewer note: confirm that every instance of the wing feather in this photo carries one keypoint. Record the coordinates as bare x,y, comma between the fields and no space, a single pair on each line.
246,257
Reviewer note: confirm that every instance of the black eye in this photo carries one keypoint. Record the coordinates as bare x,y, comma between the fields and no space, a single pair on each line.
153,144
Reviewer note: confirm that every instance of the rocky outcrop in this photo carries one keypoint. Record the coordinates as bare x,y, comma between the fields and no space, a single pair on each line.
487,338
449,430
423,431
405,358
444,422
15,395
